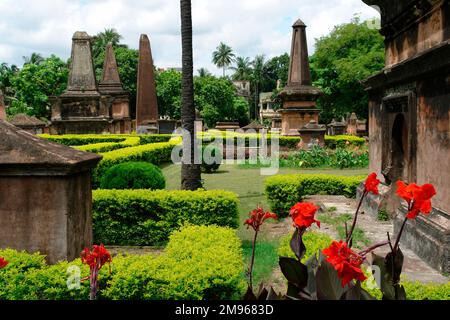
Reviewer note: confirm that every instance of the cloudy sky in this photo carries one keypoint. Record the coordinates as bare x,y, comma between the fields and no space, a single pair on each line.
250,27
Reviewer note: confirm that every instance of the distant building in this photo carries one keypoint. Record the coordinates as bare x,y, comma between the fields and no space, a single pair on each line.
243,89
267,109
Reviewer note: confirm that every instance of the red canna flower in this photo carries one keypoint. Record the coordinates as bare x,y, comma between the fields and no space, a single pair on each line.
417,197
346,262
258,217
303,214
372,183
95,259
3,263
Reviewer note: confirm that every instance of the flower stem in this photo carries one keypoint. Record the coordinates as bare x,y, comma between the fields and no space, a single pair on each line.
350,235
397,242
372,248
253,261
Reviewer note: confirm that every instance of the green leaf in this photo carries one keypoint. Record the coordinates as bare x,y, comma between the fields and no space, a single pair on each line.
295,272
297,245
329,286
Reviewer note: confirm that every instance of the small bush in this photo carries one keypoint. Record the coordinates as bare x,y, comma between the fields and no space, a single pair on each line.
155,153
147,218
200,263
212,158
334,142
133,175
284,191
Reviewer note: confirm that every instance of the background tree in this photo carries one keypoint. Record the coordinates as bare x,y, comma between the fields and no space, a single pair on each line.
203,72
7,73
101,40
275,69
243,69
349,54
35,58
190,172
257,80
35,83
168,91
223,57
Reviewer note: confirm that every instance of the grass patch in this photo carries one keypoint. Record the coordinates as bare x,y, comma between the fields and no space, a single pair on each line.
383,216
266,259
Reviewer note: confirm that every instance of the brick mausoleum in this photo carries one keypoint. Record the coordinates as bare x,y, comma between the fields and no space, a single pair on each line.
409,111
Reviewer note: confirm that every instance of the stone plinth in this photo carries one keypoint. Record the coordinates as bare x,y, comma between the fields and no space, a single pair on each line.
30,124
428,237
299,96
146,104
336,128
45,195
224,126
313,134
168,126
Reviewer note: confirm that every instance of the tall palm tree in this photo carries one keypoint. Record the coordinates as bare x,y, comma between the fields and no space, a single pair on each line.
243,69
101,40
203,72
35,58
223,57
190,172
257,79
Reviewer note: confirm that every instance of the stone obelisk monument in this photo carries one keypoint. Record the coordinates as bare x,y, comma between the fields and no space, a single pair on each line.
146,105
110,78
2,107
299,96
82,73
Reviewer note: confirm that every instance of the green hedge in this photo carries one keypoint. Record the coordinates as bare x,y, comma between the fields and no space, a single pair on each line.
110,146
284,191
89,139
334,142
200,263
155,153
147,218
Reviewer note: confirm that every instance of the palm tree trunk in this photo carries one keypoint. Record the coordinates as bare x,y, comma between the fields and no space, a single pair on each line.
190,172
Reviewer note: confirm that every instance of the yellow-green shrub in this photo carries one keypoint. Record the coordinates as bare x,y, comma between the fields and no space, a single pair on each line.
284,191
145,218
110,146
314,242
212,269
334,142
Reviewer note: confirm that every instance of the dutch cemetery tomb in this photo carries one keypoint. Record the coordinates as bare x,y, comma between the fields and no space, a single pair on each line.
302,205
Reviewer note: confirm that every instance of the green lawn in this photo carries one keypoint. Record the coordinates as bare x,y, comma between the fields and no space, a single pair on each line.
248,184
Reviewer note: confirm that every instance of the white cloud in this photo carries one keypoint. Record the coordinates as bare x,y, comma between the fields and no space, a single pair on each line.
251,27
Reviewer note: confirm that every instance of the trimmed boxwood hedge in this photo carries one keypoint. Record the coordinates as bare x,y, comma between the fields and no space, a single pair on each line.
110,146
155,153
334,142
133,175
147,218
89,139
199,263
284,191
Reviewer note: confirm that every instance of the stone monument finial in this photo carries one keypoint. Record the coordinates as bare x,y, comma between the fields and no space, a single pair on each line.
110,79
82,72
2,107
146,104
299,71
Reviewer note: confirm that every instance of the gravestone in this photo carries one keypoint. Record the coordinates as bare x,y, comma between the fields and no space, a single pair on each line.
28,123
45,195
111,86
299,96
313,134
82,108
2,107
147,104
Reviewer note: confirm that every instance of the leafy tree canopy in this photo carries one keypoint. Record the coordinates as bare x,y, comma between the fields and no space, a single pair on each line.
349,54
